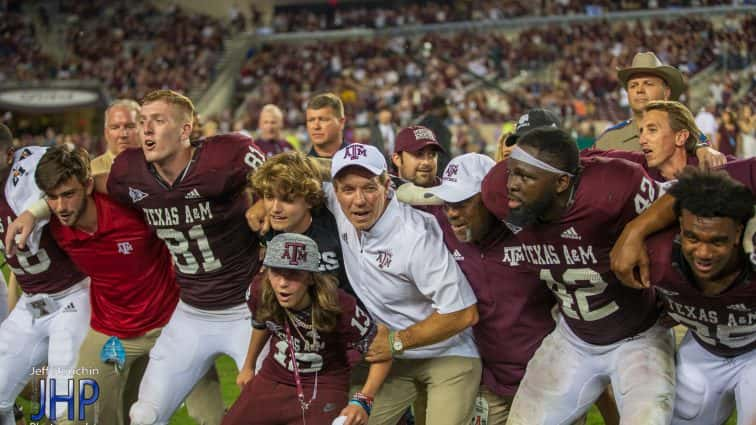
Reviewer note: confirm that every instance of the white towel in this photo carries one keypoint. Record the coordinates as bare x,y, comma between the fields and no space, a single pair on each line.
21,190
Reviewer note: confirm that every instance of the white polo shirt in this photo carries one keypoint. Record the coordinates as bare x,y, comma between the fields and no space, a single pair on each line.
401,270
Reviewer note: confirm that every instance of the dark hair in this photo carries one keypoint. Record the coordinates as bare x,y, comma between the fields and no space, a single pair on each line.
712,194
6,138
554,146
59,164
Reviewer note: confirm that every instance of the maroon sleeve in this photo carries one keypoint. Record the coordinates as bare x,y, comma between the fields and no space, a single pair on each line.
636,157
120,172
742,171
358,327
633,190
237,153
253,297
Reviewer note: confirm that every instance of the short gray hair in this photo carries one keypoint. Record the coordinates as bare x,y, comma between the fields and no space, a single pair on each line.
128,104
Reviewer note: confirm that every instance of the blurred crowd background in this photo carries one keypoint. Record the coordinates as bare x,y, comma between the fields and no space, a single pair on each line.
477,63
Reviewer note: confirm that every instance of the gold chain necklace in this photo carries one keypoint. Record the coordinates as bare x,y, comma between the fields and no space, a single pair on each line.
315,346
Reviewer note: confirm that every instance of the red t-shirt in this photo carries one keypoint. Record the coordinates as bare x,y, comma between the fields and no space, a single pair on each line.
133,288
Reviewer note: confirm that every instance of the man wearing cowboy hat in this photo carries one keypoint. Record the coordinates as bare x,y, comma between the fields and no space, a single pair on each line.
645,80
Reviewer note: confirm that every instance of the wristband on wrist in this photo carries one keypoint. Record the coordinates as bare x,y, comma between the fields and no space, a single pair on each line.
39,209
703,142
362,400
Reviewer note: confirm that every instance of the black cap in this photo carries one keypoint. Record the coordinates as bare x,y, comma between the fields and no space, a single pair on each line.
534,118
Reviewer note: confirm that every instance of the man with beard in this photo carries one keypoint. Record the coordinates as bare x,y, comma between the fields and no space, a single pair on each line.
566,213
511,299
133,286
39,329
707,283
416,155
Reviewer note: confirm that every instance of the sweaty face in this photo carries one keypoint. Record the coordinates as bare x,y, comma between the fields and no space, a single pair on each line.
290,287
323,126
121,130
270,125
419,167
532,192
657,139
709,244
644,88
361,196
287,214
163,131
69,201
469,219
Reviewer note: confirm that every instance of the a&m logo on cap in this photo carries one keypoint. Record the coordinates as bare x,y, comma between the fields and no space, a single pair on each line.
355,151
451,171
424,133
295,252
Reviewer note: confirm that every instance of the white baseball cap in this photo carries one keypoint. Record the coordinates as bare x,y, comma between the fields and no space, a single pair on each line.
365,156
462,178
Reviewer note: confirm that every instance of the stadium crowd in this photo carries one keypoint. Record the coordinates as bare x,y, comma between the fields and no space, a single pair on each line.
408,72
132,48
378,15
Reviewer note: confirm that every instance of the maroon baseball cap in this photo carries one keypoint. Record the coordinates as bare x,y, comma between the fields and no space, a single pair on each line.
415,137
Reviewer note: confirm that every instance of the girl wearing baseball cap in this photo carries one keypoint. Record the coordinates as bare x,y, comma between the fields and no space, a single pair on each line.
311,325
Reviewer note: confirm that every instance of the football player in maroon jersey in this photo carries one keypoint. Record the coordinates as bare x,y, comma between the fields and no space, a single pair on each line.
708,285
193,195
565,213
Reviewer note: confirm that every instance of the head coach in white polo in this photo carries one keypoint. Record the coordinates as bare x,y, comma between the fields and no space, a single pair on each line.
400,269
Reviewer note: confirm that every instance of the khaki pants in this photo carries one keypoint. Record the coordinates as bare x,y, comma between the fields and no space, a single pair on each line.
118,390
498,406
451,384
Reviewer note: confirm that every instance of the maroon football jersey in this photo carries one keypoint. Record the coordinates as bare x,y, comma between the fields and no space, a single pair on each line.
724,324
511,301
322,353
200,217
572,254
49,270
271,147
743,171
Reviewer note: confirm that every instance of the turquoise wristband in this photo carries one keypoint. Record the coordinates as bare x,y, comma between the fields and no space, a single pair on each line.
364,406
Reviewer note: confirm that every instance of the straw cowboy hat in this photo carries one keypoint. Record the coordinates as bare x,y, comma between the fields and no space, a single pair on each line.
648,63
